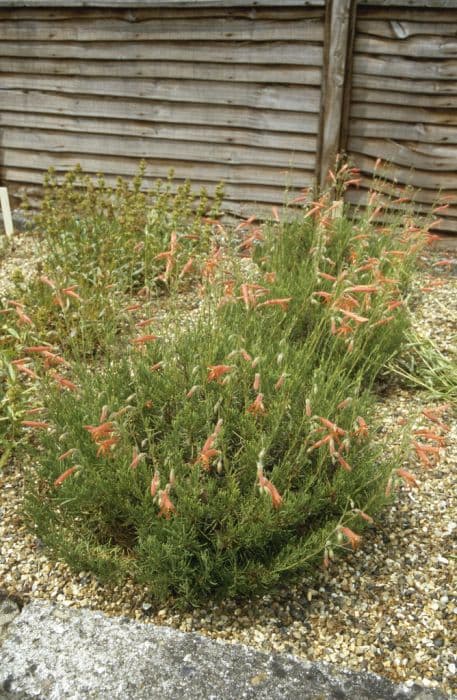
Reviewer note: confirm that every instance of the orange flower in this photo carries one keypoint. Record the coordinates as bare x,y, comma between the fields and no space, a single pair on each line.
26,370
245,355
35,424
145,322
69,291
187,267
266,486
216,371
280,382
354,539
23,318
47,281
362,430
60,479
155,483
407,477
104,446
366,288
156,366
257,408
343,462
332,426
206,456
100,431
355,317
166,506
136,458
283,303
140,340
430,435
65,383
423,452
52,359
38,348
363,515
66,454
256,384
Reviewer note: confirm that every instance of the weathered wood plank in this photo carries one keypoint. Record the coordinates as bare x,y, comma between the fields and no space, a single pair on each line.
159,112
195,91
87,29
390,99
399,131
338,36
269,53
404,67
406,153
299,75
210,172
154,149
413,115
428,88
398,29
233,191
424,196
419,4
145,130
405,175
57,13
402,13
161,3
420,47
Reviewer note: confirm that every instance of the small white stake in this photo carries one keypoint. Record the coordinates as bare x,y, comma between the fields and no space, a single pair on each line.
6,211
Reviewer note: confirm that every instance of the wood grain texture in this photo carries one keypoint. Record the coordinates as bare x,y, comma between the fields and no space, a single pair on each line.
158,112
85,28
333,88
400,113
232,72
159,3
428,88
420,47
149,130
402,131
283,52
405,67
196,152
391,98
403,29
260,96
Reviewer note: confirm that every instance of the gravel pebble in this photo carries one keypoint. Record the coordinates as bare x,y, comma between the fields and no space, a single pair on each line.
390,607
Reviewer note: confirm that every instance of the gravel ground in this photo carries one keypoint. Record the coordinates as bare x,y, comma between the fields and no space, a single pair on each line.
390,607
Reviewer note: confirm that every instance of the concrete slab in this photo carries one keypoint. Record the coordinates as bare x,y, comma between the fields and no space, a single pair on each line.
58,653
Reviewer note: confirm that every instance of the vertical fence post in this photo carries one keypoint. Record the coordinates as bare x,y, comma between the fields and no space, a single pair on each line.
6,211
339,28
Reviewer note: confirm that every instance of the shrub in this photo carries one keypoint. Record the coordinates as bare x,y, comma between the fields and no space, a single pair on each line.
230,446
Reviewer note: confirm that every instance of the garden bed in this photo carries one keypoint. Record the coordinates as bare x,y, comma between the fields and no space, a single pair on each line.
388,607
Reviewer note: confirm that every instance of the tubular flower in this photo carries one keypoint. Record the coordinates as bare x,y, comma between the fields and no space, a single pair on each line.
60,479
257,408
354,540
165,504
266,486
216,371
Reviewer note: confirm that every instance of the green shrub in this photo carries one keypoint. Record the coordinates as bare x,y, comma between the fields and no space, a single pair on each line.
220,450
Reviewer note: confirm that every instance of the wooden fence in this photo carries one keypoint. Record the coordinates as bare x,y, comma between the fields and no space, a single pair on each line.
260,94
